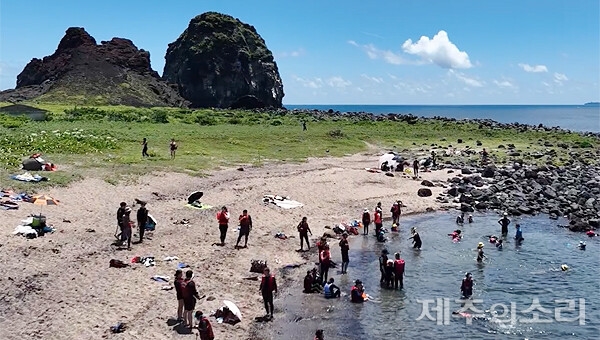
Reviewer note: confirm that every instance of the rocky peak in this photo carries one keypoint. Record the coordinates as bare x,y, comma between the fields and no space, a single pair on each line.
74,38
218,60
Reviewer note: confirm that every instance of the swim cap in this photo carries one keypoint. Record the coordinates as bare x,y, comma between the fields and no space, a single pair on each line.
564,267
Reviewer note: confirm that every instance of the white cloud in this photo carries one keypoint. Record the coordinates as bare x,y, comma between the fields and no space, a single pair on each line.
467,80
559,78
310,83
504,84
392,76
534,68
296,53
438,50
375,53
377,80
338,82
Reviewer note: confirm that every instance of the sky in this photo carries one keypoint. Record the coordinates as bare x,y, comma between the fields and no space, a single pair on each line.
355,51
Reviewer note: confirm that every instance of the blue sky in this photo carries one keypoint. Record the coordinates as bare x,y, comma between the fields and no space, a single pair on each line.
358,52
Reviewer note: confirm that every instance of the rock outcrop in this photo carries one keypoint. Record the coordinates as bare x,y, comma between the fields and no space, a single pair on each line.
114,72
219,61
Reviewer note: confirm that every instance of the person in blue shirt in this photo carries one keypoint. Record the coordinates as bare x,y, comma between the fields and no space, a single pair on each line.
331,290
519,234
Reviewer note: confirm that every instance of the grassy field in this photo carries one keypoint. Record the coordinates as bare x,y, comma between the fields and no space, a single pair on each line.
107,140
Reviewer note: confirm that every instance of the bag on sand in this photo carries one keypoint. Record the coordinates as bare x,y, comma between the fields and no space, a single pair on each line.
257,266
117,264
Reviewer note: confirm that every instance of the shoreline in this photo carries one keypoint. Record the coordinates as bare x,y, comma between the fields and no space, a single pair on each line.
53,272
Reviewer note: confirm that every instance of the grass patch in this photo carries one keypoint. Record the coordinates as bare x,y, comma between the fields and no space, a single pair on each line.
109,138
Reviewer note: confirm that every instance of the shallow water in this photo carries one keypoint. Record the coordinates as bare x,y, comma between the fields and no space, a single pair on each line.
517,274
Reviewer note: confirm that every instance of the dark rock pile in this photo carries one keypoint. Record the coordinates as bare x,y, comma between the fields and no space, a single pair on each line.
570,191
115,72
219,61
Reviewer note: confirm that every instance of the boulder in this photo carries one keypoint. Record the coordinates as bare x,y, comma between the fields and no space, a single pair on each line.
453,192
464,207
481,205
427,183
218,60
488,172
424,192
465,171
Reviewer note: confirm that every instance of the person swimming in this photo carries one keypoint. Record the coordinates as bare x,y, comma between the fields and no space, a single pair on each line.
470,218
460,219
456,235
590,233
581,245
499,244
493,239
381,236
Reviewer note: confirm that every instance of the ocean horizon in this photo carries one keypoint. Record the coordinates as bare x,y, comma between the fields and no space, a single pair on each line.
580,118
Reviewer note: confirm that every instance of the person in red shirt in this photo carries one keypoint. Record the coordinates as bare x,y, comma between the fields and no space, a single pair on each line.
245,227
223,218
321,246
190,296
303,229
398,271
325,257
268,287
204,327
179,285
366,220
378,219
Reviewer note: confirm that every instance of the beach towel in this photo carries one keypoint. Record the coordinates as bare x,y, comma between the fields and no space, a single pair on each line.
27,177
199,206
282,201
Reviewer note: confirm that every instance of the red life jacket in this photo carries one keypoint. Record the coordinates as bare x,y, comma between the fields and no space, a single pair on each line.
377,217
325,257
222,218
399,266
268,287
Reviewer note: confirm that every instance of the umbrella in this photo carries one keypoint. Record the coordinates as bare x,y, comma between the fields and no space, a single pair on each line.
194,196
43,200
233,308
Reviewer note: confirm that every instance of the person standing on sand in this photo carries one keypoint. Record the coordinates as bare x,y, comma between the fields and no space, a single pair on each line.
268,287
173,148
433,158
304,229
321,246
504,222
223,218
345,247
126,232
120,214
366,220
325,257
179,285
142,219
145,148
190,296
416,168
245,227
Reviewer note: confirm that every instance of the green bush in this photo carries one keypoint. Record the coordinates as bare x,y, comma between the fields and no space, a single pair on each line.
276,122
204,119
337,133
159,116
12,122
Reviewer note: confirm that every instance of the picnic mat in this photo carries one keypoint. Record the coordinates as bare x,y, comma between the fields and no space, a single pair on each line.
201,206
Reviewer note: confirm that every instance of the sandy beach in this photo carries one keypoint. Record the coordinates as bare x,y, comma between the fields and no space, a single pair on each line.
60,286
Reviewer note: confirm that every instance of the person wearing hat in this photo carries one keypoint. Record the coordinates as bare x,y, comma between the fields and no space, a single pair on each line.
470,218
480,255
357,294
378,219
395,210
581,245
366,220
416,238
504,222
204,327
345,247
126,231
466,287
382,264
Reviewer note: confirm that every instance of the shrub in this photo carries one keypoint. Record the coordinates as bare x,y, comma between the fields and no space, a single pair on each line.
12,122
204,119
337,133
159,116
235,121
276,122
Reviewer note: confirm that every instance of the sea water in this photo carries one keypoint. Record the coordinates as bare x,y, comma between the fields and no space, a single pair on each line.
509,286
572,117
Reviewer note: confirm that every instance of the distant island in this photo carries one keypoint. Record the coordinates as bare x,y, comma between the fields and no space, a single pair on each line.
592,104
